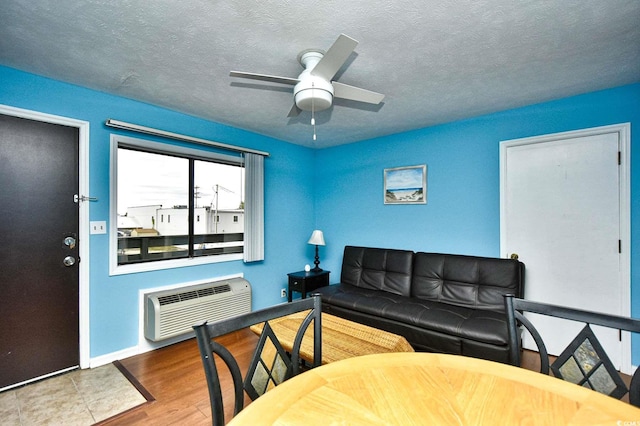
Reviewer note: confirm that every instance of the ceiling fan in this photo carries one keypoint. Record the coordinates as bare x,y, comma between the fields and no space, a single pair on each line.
313,90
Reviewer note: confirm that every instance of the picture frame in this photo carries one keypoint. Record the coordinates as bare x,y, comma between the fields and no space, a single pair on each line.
405,185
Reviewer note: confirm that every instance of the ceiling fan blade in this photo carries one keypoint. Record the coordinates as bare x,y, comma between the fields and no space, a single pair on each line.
265,77
295,111
335,57
344,91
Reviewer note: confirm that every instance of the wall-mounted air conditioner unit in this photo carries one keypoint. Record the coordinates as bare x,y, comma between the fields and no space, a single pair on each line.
174,312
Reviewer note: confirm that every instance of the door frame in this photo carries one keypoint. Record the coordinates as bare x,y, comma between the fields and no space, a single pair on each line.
83,207
624,137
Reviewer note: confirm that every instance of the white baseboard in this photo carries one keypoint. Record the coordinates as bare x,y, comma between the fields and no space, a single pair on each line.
136,350
113,356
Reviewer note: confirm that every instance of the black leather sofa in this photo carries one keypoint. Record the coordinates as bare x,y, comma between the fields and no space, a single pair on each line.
439,302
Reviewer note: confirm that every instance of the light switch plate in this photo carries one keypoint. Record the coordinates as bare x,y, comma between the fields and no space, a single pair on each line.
98,227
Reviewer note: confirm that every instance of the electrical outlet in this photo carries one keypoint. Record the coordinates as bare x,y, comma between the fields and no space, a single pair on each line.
283,292
98,227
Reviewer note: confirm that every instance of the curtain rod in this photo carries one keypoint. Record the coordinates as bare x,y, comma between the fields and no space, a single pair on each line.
156,132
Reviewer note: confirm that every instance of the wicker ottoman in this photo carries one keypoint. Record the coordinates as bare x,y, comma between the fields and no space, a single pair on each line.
341,338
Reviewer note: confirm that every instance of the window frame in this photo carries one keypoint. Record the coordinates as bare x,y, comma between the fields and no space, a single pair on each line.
199,153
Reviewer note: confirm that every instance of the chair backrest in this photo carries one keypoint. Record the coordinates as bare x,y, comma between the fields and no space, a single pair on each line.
584,361
271,364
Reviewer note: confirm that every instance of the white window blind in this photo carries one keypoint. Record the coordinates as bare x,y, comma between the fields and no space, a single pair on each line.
254,208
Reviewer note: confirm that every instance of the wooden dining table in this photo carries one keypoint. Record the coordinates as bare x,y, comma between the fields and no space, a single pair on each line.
431,389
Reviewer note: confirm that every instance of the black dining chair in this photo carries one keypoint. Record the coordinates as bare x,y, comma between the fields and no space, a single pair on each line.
584,361
271,364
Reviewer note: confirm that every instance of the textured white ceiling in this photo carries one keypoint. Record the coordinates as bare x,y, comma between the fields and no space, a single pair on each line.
436,61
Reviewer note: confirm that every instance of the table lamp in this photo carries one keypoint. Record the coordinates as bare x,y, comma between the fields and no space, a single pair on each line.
317,238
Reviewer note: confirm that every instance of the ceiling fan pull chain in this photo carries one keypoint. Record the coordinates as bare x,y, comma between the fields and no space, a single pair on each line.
313,111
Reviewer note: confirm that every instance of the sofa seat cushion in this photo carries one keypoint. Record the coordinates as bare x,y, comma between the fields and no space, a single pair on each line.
466,323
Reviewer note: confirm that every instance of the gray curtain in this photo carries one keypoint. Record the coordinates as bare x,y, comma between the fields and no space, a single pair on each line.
254,208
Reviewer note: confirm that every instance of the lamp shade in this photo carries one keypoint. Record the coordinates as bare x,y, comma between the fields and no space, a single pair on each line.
317,238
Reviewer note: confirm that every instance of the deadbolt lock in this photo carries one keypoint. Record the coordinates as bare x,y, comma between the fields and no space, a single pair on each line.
70,242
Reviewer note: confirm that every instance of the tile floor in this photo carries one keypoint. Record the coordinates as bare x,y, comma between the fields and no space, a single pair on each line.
80,397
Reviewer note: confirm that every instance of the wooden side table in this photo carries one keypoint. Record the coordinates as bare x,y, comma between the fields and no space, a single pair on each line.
304,282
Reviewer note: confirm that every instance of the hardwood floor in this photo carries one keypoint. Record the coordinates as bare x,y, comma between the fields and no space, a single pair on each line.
175,378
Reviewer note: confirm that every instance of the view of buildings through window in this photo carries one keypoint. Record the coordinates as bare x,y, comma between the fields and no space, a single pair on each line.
153,198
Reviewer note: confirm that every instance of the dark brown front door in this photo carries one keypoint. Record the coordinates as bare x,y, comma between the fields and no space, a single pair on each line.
39,293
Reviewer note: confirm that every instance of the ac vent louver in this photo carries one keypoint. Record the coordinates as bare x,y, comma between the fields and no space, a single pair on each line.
194,294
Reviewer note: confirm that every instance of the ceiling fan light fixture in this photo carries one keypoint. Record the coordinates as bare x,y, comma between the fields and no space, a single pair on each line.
312,93
314,98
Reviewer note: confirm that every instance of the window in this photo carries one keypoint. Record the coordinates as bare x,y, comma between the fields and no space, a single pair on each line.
200,192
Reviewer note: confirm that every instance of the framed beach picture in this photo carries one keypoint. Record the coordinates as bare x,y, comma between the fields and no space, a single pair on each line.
405,185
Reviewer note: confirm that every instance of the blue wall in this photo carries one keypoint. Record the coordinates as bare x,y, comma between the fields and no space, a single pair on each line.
344,190
114,300
462,214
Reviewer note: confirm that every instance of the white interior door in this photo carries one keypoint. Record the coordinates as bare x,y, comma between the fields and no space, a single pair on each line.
562,213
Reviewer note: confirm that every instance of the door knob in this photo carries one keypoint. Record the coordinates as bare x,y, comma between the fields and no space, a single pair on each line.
69,261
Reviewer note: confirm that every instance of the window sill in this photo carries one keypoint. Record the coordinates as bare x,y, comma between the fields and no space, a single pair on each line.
171,264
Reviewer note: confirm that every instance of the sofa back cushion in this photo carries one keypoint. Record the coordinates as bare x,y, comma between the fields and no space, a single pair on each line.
378,269
478,282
